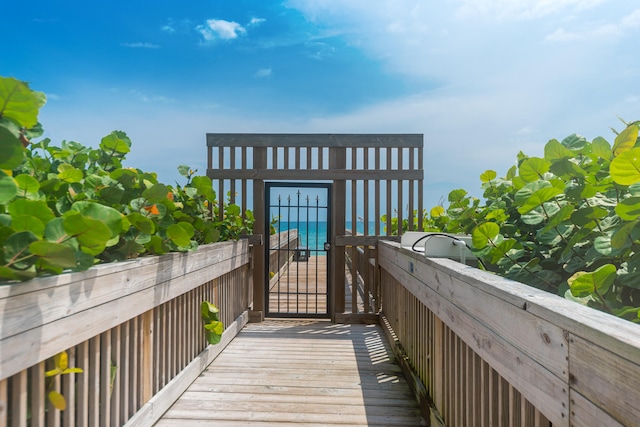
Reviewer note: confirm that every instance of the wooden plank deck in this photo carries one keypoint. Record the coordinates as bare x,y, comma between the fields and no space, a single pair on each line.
300,372
300,288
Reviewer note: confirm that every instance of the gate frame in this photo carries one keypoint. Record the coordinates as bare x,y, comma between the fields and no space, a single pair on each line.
288,184
329,151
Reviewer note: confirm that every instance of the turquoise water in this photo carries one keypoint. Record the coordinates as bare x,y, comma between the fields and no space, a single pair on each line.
314,235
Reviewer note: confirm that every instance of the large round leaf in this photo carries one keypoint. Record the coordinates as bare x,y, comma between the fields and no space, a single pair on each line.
583,284
178,235
109,216
629,208
27,184
625,140
625,168
56,254
36,208
116,142
19,102
16,249
92,234
555,151
538,198
8,188
483,234
28,223
533,169
11,151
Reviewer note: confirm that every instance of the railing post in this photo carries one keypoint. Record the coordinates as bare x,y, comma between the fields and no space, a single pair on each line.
147,357
437,392
337,161
258,258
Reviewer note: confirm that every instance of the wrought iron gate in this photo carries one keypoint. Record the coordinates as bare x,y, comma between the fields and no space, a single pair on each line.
297,252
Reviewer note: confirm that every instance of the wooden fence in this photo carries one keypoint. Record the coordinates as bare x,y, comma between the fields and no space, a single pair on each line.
134,328
487,351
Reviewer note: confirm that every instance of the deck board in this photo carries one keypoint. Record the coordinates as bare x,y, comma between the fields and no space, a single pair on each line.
300,372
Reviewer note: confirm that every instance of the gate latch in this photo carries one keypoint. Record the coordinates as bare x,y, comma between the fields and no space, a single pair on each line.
327,246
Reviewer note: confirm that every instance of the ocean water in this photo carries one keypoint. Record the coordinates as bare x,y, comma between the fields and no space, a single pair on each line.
313,235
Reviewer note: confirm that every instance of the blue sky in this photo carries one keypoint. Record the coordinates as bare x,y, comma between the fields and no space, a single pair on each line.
482,79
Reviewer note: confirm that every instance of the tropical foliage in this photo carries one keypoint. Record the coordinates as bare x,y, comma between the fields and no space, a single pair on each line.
68,207
567,222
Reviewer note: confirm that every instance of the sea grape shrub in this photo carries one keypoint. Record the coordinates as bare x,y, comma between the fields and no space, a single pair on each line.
567,222
69,207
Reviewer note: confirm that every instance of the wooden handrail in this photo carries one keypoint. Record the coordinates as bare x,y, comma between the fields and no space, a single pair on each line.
491,351
132,327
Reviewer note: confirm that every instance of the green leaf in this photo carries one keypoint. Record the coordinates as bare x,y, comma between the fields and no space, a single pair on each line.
8,189
68,173
533,169
116,142
57,400
16,249
583,216
105,214
625,235
555,151
523,194
538,198
19,102
566,167
28,223
184,170
11,151
625,168
629,208
483,234
178,235
204,186
625,140
488,175
602,148
142,223
583,284
562,215
574,142
54,253
36,208
156,194
90,233
27,183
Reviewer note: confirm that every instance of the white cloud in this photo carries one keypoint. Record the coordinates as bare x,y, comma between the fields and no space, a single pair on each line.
140,45
220,29
151,98
521,9
627,24
263,73
256,21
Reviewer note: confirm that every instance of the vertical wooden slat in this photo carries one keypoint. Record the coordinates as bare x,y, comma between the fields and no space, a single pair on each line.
114,377
4,403
105,380
124,370
38,395
69,392
244,205
221,195
420,191
411,192
232,183
53,415
146,378
94,381
376,192
389,211
400,184
19,399
134,368
83,358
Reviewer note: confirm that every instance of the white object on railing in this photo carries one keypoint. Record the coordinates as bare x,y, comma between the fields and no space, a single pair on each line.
439,245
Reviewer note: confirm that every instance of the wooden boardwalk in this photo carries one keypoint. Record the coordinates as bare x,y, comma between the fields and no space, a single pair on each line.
300,372
301,288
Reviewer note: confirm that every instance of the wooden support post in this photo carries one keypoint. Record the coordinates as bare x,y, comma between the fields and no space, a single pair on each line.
259,227
337,160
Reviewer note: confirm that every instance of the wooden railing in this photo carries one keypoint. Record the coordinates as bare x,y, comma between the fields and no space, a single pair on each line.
279,259
487,351
134,328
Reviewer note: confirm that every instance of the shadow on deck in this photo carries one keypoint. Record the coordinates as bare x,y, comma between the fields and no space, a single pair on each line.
300,372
